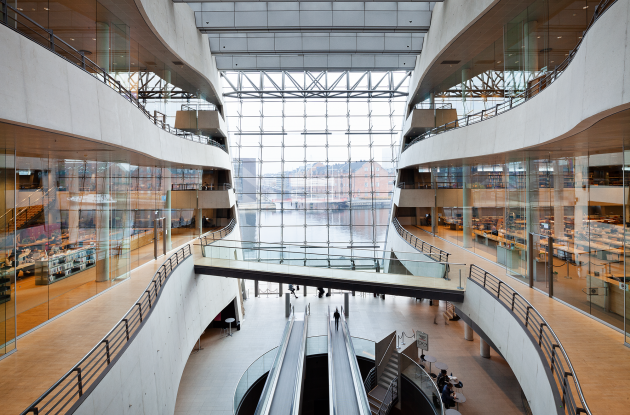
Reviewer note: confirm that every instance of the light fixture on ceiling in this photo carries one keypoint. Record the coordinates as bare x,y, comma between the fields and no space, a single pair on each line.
93,38
585,7
498,61
46,8
20,9
33,9
538,37
574,14
516,62
559,37
71,39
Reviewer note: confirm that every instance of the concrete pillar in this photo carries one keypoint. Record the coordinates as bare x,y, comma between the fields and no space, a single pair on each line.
468,332
287,305
102,45
484,349
167,208
304,293
558,198
102,222
199,221
346,302
465,78
280,290
434,209
74,205
329,293
466,207
256,289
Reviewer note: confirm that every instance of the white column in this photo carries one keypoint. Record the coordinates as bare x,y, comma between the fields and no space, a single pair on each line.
166,172
468,332
102,223
484,349
466,207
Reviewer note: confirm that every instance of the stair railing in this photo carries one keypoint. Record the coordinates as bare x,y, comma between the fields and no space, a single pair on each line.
391,396
370,380
25,208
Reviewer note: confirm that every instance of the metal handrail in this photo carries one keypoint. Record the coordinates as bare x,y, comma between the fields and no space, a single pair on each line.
47,39
198,186
331,369
361,394
547,340
264,405
73,388
390,397
29,202
433,251
297,388
386,350
220,234
370,380
530,92
351,257
413,185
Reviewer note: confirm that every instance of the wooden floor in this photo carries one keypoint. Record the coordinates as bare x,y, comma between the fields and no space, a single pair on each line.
597,352
46,354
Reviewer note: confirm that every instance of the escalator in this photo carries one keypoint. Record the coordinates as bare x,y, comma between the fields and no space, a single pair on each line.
282,394
346,391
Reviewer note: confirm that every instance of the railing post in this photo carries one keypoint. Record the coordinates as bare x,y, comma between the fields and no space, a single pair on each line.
140,307
553,355
527,316
106,341
126,328
5,14
540,334
83,60
513,298
51,39
79,380
499,289
485,274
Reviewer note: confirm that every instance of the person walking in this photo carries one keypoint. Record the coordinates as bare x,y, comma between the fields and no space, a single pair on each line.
337,316
292,289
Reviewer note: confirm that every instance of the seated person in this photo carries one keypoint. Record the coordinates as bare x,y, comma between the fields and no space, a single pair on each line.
442,380
448,398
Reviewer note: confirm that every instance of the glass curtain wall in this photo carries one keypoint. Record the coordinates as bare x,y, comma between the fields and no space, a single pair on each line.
7,240
315,172
579,198
82,226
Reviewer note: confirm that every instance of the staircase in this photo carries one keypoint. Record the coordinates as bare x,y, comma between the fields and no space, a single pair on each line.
378,395
25,215
450,314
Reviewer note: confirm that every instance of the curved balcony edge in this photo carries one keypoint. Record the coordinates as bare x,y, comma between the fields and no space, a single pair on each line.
586,92
174,25
45,92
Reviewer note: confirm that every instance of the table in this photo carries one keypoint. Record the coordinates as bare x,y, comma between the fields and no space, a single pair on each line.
430,359
459,398
230,321
441,366
451,412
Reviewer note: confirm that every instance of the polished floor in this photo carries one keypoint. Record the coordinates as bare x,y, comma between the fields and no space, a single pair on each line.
597,352
211,375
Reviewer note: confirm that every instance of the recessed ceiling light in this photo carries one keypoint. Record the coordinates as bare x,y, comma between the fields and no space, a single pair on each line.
574,14
516,62
46,8
93,38
552,61
559,37
498,61
33,9
585,7
20,9
538,37
71,39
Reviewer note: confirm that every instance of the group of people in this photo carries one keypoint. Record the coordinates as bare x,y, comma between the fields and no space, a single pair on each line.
446,389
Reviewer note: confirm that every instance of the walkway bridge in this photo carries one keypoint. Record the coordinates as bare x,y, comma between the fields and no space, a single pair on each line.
353,269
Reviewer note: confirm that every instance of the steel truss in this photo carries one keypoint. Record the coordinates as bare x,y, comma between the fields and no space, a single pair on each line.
151,86
264,84
485,85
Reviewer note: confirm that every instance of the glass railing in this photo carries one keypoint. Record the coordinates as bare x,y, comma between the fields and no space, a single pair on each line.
329,260
362,399
253,373
274,372
416,374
